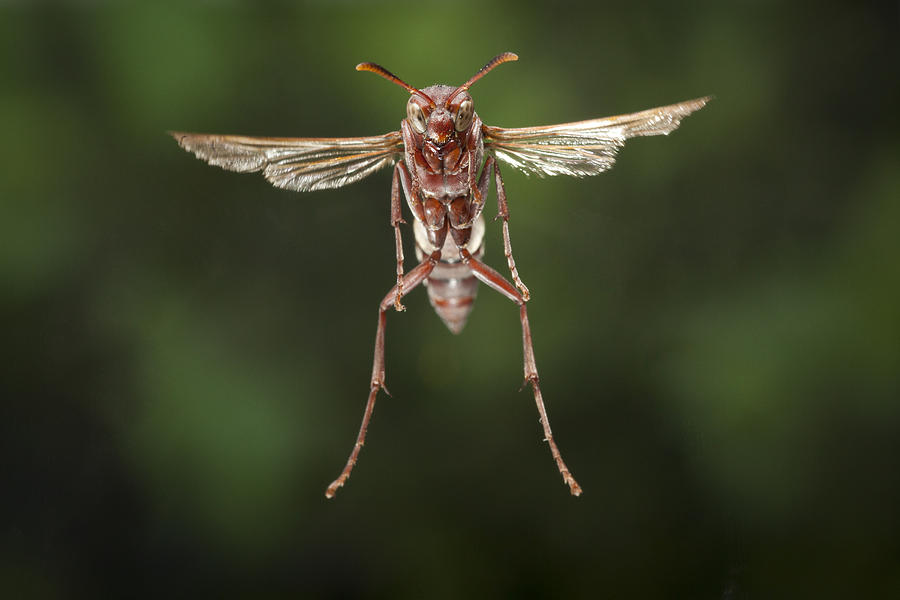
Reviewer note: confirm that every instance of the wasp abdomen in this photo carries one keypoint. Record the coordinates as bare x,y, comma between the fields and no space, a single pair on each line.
453,297
452,286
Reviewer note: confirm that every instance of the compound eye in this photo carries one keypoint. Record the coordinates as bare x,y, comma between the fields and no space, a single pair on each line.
464,114
416,117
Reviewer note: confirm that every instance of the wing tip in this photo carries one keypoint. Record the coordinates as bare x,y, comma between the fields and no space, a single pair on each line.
702,101
180,137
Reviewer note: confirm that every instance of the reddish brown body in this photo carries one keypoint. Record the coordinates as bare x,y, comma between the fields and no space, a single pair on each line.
438,175
444,158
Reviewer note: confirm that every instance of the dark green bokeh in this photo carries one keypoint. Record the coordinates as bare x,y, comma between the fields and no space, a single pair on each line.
187,351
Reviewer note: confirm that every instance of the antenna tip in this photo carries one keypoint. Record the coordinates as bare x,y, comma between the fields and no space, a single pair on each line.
363,66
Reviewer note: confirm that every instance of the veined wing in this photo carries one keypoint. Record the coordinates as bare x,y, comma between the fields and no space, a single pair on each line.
585,147
299,164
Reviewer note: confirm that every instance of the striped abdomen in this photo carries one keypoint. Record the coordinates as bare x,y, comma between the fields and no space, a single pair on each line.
451,285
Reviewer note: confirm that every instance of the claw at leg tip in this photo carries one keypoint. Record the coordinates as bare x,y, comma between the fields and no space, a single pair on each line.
574,488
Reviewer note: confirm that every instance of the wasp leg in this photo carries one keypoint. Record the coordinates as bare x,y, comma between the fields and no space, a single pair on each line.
494,280
396,220
503,213
410,281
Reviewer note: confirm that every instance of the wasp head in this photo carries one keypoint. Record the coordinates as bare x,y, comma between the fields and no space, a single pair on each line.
439,113
444,118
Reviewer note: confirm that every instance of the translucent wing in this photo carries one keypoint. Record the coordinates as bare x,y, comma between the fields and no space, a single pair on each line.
585,147
299,164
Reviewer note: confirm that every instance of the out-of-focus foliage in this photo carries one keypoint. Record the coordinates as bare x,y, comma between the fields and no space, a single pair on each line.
186,351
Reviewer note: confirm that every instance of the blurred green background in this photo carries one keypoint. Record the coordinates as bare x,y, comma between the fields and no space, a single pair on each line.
186,351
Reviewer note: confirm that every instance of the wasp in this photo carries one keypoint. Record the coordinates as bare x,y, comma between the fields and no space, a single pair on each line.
444,160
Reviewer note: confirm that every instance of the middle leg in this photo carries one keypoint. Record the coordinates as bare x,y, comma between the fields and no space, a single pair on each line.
396,220
503,213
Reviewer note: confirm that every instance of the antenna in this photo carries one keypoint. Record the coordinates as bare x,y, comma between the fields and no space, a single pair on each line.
497,60
379,70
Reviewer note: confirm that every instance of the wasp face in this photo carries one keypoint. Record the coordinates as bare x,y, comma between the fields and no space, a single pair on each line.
440,128
444,118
